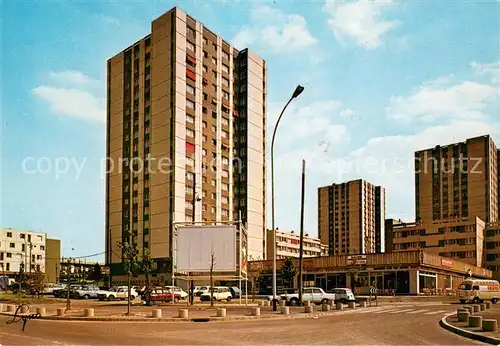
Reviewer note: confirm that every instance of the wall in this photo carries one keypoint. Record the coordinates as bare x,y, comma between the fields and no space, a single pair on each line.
52,260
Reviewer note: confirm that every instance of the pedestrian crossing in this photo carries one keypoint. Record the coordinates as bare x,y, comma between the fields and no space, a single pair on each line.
399,310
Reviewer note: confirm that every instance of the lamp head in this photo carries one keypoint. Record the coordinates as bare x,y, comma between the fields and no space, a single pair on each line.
298,90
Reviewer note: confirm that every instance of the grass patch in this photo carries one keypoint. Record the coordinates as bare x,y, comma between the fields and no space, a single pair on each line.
10,298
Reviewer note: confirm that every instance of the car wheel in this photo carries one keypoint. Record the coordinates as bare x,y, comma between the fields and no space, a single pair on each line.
228,299
324,301
86,296
462,301
494,300
176,300
132,297
111,298
343,301
294,302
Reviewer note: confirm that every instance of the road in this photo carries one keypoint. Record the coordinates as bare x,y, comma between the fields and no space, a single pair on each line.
402,324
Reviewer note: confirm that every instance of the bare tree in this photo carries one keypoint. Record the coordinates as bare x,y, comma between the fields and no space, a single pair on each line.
212,264
130,264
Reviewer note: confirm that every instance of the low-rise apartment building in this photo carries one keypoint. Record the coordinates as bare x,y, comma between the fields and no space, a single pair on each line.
463,240
492,248
288,245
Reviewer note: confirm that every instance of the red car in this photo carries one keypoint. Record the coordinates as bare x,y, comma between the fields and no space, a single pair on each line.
162,294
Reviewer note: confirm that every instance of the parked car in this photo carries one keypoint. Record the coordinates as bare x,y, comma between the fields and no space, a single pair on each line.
160,294
86,292
344,295
219,293
235,291
183,294
315,295
63,293
199,290
120,293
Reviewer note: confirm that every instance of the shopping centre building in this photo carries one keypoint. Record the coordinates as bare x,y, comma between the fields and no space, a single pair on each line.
408,272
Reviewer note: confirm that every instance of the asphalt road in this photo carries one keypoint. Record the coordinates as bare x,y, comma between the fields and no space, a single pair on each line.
402,324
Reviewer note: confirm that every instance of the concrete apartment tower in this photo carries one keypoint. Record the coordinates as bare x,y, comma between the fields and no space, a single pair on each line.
351,217
193,107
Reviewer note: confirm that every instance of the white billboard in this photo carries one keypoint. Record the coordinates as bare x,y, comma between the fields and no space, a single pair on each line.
196,244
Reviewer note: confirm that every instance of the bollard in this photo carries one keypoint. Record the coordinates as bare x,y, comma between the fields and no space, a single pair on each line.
267,303
307,303
41,311
25,309
482,307
459,310
475,321
11,308
88,312
309,309
285,310
1,307
362,304
470,309
282,302
255,312
488,305
351,305
61,312
156,313
325,307
476,308
332,303
463,316
261,303
490,325
221,312
183,313
339,306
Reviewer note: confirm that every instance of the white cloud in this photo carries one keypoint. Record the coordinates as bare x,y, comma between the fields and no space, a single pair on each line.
439,100
275,30
72,102
360,20
490,69
73,77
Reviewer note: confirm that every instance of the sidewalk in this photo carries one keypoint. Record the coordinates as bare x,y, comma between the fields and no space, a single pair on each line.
463,328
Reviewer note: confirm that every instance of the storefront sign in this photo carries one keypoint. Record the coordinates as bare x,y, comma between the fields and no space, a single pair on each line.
446,262
356,259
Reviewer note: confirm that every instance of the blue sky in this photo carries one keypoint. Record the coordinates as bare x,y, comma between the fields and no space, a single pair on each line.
382,80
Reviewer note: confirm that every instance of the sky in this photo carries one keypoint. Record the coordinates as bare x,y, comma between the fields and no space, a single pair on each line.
382,79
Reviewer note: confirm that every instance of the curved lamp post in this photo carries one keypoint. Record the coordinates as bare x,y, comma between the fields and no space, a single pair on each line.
298,90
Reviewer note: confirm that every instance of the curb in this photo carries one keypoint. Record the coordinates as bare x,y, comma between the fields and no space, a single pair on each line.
467,334
274,317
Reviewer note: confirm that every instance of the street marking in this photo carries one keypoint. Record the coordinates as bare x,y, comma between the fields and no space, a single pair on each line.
400,311
417,311
435,312
381,312
369,310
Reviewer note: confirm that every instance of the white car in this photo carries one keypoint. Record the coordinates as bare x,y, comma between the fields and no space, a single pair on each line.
199,290
344,295
120,292
179,291
315,295
219,293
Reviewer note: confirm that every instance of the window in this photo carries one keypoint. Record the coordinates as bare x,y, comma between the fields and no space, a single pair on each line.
38,257
191,31
214,128
189,133
205,68
204,207
225,81
9,255
205,41
214,46
190,104
22,235
189,218
189,205
225,200
204,152
213,210
189,175
204,193
190,161
190,46
225,212
225,55
190,89
214,61
9,234
225,121
12,245
225,95
189,190
204,138
204,125
189,118
225,187
225,173
225,68
214,182
225,134
205,54
214,196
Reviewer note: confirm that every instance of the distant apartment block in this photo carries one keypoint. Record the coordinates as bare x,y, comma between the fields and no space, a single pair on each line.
28,252
288,245
458,182
351,217
463,240
184,96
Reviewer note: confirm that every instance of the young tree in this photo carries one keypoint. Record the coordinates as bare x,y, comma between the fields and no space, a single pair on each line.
212,264
146,265
288,272
37,283
130,264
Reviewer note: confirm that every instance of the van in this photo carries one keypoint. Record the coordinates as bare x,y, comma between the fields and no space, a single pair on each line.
219,293
475,290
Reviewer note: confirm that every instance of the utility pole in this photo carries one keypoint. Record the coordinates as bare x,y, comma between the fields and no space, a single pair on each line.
191,286
302,202
31,247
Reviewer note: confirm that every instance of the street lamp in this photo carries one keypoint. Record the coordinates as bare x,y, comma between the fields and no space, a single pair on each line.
298,90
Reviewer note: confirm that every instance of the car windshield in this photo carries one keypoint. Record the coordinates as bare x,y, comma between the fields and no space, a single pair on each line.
465,286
